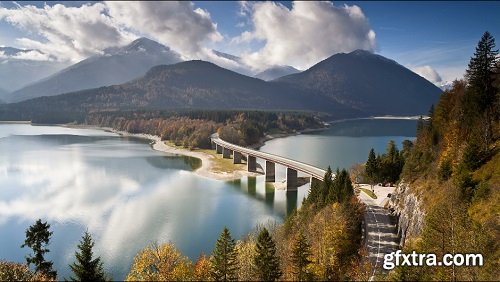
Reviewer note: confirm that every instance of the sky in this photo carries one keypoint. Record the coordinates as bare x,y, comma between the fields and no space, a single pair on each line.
434,39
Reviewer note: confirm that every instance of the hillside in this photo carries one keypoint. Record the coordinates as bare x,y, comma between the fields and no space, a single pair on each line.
369,83
276,72
115,66
448,200
186,85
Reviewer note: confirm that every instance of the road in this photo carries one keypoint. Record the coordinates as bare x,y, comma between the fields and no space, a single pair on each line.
380,229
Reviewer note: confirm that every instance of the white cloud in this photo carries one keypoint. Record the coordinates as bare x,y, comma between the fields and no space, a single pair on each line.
68,33
75,33
305,34
428,73
175,24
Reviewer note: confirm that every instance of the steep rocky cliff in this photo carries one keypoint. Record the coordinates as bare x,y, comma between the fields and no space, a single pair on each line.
406,206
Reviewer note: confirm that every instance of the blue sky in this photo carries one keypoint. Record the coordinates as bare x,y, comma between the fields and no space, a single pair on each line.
438,35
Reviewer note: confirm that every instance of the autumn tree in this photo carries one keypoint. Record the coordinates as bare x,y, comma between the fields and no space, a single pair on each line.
12,271
224,261
301,258
87,268
201,268
163,262
37,238
266,261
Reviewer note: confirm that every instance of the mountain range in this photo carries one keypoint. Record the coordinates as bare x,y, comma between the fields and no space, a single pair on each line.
369,83
115,66
355,84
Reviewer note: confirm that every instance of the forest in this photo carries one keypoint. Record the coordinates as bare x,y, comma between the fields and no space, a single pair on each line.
192,129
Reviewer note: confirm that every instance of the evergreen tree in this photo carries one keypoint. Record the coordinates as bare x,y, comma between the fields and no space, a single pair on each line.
346,189
224,265
371,166
300,258
266,260
479,105
86,268
481,70
37,238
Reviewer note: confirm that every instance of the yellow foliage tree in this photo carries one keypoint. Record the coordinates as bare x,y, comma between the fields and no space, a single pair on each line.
160,263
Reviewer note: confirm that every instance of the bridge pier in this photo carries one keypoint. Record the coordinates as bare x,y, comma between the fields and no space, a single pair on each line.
237,157
291,179
226,153
218,149
251,163
270,171
214,146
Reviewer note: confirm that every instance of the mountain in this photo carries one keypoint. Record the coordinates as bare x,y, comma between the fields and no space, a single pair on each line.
276,72
18,68
236,64
115,66
186,85
369,83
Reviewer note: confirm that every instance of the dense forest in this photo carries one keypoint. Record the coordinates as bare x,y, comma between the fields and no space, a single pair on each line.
192,129
454,168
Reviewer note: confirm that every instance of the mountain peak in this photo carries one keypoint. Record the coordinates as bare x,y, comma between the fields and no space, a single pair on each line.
360,52
141,44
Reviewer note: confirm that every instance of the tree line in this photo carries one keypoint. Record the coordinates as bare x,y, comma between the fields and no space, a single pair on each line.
321,241
192,129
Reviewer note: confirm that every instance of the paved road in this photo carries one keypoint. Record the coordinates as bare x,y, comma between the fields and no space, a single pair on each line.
315,172
380,230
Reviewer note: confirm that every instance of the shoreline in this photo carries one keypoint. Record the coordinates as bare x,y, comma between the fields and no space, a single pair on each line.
207,160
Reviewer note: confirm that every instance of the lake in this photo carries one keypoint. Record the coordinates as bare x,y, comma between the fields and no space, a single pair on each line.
129,196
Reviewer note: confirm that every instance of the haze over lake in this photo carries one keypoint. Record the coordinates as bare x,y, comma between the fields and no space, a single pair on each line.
128,195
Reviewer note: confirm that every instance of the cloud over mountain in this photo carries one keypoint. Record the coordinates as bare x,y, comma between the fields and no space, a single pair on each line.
76,33
305,34
428,73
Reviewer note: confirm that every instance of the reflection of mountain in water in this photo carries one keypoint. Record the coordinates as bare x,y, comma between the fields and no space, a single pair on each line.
58,139
372,127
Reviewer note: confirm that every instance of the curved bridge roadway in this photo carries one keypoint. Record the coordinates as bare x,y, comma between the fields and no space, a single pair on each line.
226,149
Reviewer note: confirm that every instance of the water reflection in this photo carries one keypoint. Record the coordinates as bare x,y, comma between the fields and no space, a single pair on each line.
124,193
129,196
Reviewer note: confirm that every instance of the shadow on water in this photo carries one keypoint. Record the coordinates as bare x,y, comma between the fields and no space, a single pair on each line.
174,162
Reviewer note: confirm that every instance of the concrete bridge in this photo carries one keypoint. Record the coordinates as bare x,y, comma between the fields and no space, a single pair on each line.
239,153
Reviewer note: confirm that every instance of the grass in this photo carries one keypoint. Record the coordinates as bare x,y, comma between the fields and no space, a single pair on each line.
369,193
219,164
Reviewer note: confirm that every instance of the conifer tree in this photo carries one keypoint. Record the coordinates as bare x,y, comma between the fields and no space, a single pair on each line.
371,166
481,70
266,261
301,254
37,238
224,264
86,268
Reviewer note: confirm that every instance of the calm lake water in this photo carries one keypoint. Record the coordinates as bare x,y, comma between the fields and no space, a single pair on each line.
128,195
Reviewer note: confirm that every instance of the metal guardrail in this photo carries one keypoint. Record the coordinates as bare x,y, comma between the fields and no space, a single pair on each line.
315,172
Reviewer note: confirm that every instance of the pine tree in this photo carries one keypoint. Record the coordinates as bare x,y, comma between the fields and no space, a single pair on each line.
224,264
37,238
266,261
85,268
481,70
300,258
479,104
371,166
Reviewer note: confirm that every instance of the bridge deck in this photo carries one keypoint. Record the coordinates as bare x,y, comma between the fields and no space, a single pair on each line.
315,172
